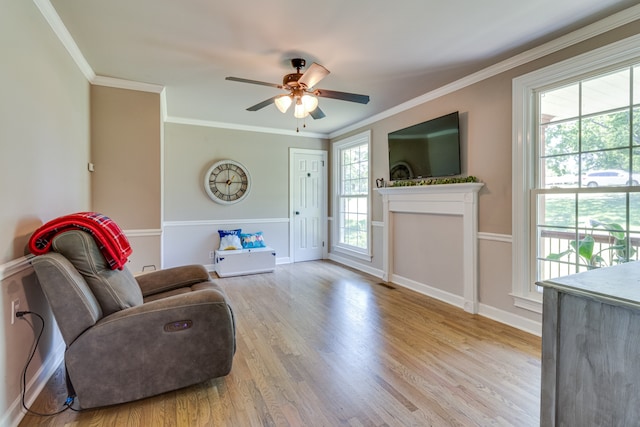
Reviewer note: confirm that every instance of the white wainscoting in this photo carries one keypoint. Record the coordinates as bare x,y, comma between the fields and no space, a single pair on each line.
496,254
146,244
18,281
507,314
193,242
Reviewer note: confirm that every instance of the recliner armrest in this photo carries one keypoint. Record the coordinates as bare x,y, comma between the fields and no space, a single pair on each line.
172,278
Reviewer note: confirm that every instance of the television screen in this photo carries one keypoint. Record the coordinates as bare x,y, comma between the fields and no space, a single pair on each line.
428,149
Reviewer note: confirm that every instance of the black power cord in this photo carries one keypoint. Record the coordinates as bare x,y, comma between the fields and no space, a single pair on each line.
70,399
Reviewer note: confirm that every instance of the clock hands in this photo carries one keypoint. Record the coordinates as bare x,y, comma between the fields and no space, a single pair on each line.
228,181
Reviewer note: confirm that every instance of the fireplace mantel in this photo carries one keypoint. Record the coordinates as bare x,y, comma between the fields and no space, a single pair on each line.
442,199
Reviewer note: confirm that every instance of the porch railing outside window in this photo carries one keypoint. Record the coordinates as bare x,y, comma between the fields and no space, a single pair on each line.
605,248
586,201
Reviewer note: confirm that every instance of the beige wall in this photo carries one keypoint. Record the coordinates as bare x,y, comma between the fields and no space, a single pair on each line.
486,141
44,150
428,249
126,152
125,149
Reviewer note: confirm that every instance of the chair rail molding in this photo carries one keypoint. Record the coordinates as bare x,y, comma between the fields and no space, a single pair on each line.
443,199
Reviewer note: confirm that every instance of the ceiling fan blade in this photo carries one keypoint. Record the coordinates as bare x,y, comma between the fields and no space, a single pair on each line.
254,82
313,75
317,113
344,96
262,104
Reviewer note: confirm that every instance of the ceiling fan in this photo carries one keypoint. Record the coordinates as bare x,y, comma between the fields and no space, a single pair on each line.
302,92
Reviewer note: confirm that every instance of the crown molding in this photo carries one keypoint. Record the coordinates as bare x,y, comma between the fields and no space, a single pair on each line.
609,23
52,17
126,84
222,125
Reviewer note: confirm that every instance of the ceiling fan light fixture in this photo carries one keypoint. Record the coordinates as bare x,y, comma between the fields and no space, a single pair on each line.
283,102
302,91
310,102
300,112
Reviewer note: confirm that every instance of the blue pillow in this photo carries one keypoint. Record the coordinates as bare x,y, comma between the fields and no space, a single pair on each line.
235,232
250,241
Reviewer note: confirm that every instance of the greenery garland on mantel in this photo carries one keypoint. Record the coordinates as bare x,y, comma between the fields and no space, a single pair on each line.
434,181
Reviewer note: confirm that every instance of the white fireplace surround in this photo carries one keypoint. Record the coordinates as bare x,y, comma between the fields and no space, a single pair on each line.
442,199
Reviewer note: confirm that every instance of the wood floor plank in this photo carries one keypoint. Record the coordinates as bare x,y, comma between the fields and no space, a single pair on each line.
323,345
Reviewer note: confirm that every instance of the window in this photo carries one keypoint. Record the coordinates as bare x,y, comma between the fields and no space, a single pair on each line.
576,167
351,188
585,195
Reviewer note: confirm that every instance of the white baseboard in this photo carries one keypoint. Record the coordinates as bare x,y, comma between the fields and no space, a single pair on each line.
357,265
430,291
36,384
518,322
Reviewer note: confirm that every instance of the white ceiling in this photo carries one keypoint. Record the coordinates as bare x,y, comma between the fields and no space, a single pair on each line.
393,51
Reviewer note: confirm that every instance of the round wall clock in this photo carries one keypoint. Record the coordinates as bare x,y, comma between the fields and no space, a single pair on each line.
227,182
400,170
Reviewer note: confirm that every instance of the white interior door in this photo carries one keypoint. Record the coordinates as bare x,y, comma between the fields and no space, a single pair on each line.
308,172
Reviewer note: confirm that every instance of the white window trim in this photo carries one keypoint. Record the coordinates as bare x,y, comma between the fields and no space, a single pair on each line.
358,139
524,151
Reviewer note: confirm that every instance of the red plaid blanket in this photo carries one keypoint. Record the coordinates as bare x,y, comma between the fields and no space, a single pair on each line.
110,239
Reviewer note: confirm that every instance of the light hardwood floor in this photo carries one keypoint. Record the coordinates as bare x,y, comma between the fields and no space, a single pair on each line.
322,345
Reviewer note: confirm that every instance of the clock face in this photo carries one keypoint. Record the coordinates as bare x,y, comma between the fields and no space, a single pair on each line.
227,182
399,171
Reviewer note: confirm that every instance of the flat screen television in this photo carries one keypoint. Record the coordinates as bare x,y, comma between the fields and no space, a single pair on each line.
428,149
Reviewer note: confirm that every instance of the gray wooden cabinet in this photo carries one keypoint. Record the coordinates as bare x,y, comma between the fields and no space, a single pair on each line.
591,348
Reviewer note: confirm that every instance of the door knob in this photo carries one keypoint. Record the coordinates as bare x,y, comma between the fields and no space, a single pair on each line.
297,212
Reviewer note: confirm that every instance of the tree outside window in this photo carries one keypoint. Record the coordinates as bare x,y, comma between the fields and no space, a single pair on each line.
587,194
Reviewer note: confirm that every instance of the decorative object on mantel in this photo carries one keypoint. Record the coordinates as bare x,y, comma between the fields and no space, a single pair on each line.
435,181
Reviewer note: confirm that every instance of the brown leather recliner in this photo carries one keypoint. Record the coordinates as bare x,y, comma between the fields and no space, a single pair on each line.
129,337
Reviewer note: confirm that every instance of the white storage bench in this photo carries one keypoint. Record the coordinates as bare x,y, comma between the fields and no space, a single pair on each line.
245,261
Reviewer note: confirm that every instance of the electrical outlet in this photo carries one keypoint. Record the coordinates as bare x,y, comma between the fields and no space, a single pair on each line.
212,254
15,307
